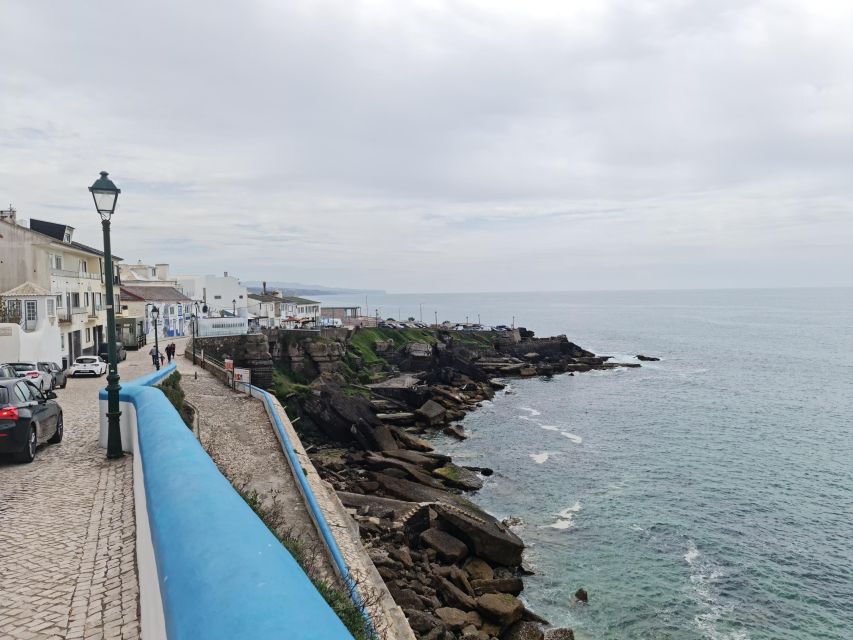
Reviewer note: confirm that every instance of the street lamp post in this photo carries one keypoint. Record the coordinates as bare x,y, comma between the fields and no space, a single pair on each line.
194,320
234,306
155,314
105,194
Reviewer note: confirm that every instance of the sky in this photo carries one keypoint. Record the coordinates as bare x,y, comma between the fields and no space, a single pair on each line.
442,146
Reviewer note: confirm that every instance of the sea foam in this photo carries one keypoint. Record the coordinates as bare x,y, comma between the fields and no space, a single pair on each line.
572,437
566,517
540,458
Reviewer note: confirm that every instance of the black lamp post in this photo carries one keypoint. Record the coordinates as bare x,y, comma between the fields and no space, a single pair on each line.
194,320
234,306
105,194
155,314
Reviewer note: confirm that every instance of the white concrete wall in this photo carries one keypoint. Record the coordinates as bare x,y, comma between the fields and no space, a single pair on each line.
208,287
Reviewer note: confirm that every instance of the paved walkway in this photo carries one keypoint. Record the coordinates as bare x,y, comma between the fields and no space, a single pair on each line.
67,530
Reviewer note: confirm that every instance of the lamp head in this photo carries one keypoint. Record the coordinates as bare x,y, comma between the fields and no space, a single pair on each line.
105,194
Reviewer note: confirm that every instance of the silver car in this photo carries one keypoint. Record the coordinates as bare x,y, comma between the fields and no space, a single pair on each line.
30,370
58,375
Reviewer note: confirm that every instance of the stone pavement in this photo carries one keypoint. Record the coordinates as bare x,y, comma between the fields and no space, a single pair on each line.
67,530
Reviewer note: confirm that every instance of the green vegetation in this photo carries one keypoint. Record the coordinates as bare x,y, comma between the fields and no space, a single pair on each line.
337,598
449,472
285,384
171,388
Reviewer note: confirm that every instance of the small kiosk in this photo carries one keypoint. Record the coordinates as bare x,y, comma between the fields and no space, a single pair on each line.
130,331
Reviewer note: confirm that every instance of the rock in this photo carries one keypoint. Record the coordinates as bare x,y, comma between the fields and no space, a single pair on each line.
501,607
456,431
529,616
523,631
448,547
454,596
497,384
647,358
402,555
407,599
500,585
432,412
422,622
581,595
382,437
453,618
408,441
474,619
478,569
487,538
473,633
527,371
419,459
560,634
387,463
459,477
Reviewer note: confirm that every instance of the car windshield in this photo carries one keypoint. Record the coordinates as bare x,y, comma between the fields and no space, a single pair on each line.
23,366
86,360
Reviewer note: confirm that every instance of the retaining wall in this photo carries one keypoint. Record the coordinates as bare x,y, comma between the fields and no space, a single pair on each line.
208,566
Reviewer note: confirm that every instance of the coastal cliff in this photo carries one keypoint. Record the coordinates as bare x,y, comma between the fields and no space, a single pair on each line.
364,401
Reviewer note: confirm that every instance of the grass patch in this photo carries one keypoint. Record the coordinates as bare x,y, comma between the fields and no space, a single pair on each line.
171,388
284,386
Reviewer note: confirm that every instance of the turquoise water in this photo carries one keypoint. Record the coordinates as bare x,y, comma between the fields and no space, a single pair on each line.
709,495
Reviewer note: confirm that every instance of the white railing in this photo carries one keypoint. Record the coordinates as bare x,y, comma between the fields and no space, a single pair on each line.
209,327
67,273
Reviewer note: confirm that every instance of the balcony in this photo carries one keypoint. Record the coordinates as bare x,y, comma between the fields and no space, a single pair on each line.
66,273
66,315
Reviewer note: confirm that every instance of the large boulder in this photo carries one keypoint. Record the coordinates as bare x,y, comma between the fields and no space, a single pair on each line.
431,412
485,536
453,618
500,607
560,634
422,622
478,569
523,631
447,546
459,477
499,585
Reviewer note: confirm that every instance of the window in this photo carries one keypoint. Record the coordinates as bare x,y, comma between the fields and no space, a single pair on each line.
86,299
67,236
75,299
59,302
51,308
84,268
22,392
217,297
98,300
55,261
62,341
88,335
32,310
240,296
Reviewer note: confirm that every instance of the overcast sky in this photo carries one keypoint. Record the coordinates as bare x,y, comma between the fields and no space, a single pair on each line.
443,146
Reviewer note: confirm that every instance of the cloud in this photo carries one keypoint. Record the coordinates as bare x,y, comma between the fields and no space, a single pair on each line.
433,145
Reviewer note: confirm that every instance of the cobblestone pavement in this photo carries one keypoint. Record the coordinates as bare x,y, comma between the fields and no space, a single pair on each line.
67,530
237,433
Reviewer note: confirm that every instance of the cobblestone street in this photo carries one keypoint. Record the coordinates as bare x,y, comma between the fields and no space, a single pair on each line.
67,530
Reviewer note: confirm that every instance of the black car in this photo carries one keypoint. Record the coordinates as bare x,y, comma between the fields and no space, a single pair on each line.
28,418
121,353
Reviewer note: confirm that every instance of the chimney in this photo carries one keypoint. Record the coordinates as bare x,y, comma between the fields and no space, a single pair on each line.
161,271
264,283
226,274
9,214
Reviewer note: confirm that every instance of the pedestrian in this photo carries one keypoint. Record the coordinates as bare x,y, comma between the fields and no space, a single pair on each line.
169,352
154,355
162,359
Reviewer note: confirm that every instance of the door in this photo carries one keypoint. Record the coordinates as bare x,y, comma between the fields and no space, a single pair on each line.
30,315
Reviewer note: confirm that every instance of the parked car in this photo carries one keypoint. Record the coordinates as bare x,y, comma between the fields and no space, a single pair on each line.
87,366
31,370
57,374
121,352
7,371
28,418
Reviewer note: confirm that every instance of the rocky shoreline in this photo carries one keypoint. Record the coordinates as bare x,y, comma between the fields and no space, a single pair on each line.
455,570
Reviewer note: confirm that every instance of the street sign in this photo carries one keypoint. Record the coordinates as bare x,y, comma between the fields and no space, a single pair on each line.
243,375
229,364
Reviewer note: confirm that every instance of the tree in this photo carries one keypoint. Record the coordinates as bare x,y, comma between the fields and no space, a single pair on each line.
10,311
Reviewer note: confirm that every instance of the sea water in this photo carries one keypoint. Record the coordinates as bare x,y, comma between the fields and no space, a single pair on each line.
708,495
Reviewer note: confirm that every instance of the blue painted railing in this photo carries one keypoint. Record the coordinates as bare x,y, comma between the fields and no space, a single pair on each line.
221,572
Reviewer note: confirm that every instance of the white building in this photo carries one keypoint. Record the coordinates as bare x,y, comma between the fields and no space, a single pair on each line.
32,331
46,256
220,293
174,307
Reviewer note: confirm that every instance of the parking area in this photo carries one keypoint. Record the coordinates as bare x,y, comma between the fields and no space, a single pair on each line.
67,530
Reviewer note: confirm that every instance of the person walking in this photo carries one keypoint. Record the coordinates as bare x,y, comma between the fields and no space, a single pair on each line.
169,352
155,357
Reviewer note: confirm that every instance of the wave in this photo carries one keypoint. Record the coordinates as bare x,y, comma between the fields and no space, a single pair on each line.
572,437
533,412
540,458
528,418
549,427
692,554
566,517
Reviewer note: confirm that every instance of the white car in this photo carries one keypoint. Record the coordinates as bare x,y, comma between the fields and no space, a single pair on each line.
87,366
30,370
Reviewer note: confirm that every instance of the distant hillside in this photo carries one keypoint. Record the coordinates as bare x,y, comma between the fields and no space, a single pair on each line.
300,289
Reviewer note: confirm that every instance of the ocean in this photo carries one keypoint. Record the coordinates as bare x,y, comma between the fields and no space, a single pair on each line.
705,496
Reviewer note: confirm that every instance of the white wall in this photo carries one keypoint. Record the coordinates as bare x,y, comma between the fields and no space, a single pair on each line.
208,287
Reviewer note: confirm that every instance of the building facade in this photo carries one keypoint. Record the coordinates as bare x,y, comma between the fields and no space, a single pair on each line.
174,307
220,293
46,256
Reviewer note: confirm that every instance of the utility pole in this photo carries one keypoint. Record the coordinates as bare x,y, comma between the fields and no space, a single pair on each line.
513,322
436,317
478,319
422,312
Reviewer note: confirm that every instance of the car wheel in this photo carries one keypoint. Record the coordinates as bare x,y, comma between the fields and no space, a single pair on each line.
64,382
57,437
29,451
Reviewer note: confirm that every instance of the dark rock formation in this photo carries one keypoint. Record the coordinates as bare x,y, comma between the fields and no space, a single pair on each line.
647,358
581,595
